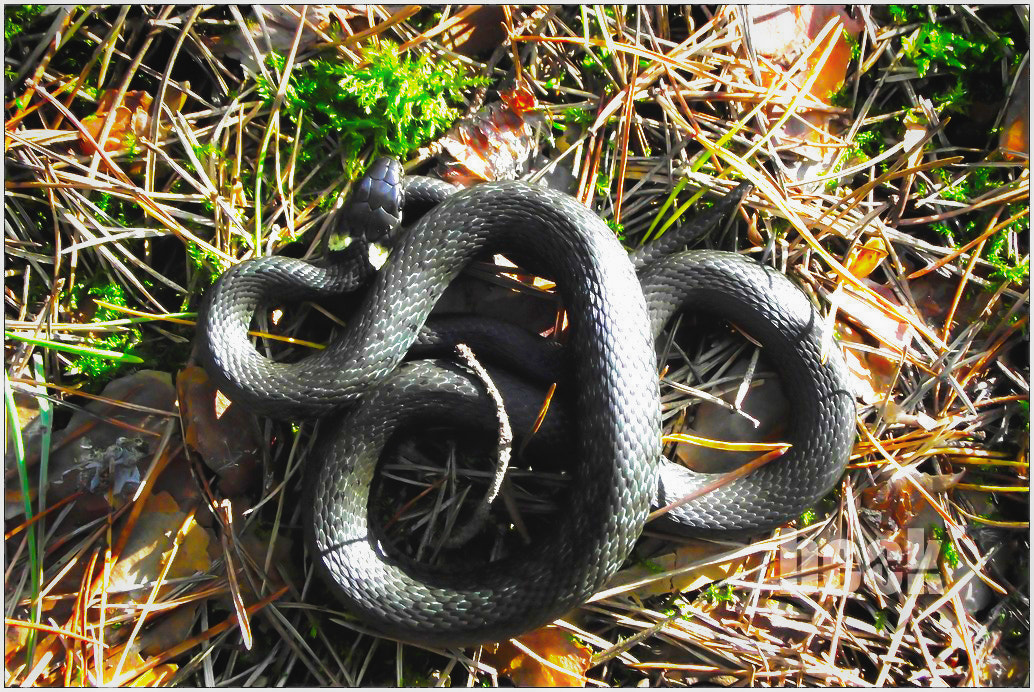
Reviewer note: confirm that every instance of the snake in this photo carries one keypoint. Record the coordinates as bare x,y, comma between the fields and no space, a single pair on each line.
617,303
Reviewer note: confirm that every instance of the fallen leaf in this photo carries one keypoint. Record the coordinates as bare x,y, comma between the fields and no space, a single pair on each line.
783,622
1014,140
764,402
683,556
150,542
898,500
106,447
132,118
863,260
478,31
225,435
893,413
549,643
888,329
495,144
166,630
870,374
154,677
934,294
782,33
275,28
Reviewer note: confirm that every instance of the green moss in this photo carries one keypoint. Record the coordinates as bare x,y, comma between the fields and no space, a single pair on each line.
932,45
576,116
880,620
396,103
1000,248
123,212
125,341
716,594
18,18
651,566
205,263
618,228
948,552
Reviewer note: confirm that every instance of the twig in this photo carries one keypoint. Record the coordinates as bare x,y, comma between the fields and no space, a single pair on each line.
503,451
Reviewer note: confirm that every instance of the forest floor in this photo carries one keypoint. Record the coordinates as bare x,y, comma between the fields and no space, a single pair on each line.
153,533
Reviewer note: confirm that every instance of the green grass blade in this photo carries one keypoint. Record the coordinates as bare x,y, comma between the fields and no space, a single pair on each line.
78,350
18,444
46,416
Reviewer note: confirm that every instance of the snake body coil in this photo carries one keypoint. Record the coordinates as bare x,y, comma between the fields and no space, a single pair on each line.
615,404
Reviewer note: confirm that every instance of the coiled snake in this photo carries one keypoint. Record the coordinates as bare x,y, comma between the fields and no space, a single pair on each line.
615,315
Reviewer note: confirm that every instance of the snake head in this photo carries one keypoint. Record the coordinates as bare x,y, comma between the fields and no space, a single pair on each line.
373,210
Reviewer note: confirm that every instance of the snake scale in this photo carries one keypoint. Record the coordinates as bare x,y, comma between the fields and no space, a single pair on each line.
617,305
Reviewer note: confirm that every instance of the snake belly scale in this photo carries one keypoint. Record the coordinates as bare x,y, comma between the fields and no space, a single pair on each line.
615,416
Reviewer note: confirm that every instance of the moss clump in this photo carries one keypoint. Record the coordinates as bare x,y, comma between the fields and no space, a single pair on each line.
18,18
394,103
93,367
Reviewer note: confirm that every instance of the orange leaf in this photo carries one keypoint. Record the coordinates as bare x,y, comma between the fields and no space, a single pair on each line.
782,33
149,678
132,118
864,260
1014,139
549,644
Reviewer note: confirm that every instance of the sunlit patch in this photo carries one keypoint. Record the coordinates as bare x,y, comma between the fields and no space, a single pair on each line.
221,404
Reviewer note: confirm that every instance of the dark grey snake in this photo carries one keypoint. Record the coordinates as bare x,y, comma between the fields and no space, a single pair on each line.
615,316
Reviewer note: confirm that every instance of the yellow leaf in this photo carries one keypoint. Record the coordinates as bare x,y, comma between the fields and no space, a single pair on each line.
141,559
556,660
863,260
683,556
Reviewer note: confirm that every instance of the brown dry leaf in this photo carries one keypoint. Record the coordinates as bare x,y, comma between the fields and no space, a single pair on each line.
808,565
871,374
105,449
141,560
495,144
764,402
226,437
887,329
934,295
480,30
132,118
782,33
155,677
166,631
684,555
900,501
781,621
549,643
281,25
